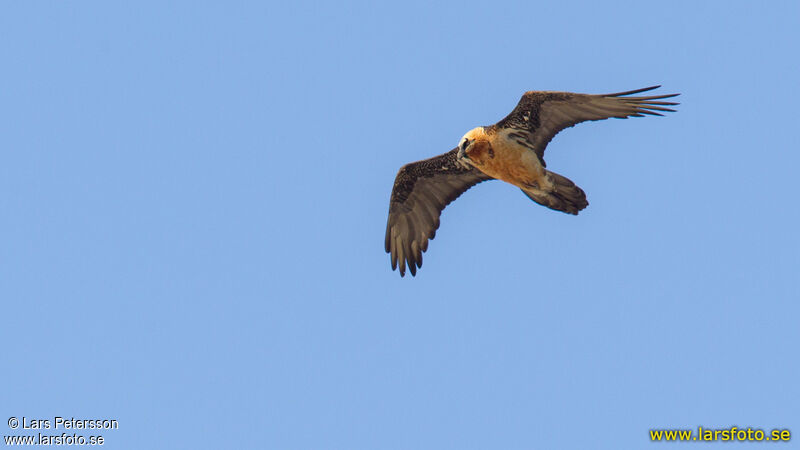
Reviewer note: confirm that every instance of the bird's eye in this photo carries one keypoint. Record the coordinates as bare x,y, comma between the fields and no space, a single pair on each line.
464,144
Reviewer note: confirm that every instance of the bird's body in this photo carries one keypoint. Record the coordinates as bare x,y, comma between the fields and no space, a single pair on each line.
511,150
498,155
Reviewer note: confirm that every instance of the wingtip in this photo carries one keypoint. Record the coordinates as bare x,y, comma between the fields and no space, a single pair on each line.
635,91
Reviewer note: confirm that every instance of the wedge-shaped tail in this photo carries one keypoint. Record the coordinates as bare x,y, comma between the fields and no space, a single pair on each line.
563,196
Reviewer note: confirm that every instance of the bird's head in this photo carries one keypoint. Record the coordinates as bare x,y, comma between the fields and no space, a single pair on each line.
474,148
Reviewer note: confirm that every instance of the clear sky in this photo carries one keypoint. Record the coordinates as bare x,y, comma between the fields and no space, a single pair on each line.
194,200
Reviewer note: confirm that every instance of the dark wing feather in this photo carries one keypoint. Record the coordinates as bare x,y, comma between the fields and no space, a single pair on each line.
421,191
540,115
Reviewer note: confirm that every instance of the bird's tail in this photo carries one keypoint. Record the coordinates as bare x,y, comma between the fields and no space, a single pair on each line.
563,195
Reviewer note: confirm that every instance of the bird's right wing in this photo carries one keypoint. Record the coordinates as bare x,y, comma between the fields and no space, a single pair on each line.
421,191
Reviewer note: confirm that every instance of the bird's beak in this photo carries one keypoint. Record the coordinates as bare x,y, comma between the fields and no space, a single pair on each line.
462,154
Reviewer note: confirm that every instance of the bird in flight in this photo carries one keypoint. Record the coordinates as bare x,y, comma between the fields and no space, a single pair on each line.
511,150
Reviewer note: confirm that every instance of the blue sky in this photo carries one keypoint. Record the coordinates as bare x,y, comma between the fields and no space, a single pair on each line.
195,197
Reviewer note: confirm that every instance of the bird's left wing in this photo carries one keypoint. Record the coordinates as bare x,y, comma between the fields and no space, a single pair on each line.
421,191
540,115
